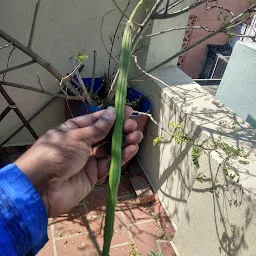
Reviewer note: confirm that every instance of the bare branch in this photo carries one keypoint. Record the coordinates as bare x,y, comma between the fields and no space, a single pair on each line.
177,13
81,82
8,60
39,82
135,41
68,77
221,29
5,46
112,90
101,35
146,73
167,6
38,59
93,71
114,38
221,8
173,29
33,24
152,119
141,47
123,12
239,22
17,111
69,109
17,67
172,5
242,36
151,76
29,88
145,24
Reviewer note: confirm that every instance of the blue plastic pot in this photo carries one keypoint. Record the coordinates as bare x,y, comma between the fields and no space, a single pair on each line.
81,108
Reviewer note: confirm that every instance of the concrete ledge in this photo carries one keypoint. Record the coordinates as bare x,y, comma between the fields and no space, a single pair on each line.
190,204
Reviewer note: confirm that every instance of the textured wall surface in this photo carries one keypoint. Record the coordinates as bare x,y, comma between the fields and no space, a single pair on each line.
195,56
238,86
63,29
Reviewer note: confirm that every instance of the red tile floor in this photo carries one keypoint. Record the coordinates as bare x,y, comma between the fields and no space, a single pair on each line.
139,229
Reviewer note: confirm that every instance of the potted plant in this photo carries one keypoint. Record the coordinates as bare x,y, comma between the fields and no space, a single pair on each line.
95,96
135,99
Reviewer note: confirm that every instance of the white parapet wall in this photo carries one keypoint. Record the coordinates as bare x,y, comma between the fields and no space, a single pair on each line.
219,222
237,89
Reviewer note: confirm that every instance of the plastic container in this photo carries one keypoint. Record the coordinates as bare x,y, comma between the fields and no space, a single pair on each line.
81,108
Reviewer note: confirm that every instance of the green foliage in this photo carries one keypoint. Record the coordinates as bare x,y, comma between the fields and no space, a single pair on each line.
157,140
176,125
196,153
155,254
228,152
81,57
234,176
178,133
243,161
234,125
231,151
179,138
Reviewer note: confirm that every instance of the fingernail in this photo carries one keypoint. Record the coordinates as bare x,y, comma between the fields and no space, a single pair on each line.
109,113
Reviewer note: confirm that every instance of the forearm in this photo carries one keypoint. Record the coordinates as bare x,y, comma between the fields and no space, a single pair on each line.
23,218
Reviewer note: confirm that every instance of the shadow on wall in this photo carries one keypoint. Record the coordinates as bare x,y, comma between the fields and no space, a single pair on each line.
173,175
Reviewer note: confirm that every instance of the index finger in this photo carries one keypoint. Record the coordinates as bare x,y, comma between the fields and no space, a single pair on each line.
87,120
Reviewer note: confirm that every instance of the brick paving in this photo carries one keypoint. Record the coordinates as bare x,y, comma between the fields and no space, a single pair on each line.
139,229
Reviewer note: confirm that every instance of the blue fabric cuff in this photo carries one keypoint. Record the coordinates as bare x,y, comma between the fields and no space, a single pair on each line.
22,213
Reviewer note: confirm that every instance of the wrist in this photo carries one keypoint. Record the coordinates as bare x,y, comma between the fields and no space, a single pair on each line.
30,167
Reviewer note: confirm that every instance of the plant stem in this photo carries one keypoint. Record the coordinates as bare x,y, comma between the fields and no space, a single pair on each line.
93,72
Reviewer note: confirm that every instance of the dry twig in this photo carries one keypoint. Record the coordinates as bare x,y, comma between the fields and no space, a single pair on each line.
33,24
46,65
219,30
5,46
30,88
152,119
17,67
93,71
174,29
177,13
101,35
114,37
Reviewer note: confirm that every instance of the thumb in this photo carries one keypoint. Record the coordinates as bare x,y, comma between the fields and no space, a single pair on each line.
98,130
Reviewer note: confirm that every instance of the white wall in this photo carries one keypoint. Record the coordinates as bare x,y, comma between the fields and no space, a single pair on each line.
165,45
238,88
63,29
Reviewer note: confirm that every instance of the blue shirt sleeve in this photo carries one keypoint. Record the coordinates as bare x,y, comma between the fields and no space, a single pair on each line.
23,217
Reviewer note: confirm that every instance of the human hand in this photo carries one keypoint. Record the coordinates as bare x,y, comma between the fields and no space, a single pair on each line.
65,163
